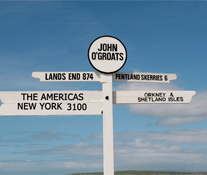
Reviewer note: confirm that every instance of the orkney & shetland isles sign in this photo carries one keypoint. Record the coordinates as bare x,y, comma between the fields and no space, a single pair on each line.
107,55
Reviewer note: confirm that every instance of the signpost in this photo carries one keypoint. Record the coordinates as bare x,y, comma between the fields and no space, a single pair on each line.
107,55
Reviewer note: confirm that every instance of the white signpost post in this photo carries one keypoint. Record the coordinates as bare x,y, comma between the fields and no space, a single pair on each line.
107,55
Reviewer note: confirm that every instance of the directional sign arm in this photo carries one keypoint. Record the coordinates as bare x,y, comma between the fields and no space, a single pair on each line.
67,76
51,103
143,77
152,97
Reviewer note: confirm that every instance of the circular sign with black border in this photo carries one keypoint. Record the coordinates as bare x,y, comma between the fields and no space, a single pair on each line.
107,54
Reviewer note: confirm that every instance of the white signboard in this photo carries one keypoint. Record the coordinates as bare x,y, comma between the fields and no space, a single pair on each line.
153,97
51,103
107,54
67,76
143,77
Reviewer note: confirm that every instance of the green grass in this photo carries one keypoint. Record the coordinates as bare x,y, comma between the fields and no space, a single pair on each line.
142,173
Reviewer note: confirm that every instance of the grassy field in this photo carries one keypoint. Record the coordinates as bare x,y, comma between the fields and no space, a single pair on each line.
146,173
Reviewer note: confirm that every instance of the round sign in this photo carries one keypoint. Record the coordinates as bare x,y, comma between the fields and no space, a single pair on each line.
107,54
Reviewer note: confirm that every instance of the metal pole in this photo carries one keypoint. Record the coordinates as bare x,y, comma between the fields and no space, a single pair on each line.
108,141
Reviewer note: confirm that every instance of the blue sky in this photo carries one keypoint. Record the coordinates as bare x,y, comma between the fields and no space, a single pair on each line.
160,37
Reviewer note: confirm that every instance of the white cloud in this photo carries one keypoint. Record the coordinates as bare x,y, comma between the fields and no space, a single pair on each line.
168,114
189,136
79,149
178,150
48,167
48,135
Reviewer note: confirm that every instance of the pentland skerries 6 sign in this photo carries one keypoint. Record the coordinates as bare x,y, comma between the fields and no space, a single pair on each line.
107,54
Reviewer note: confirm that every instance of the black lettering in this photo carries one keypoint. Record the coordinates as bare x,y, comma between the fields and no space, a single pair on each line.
32,96
101,48
104,56
54,106
75,97
91,76
51,106
46,78
181,99
69,98
55,96
77,106
113,56
93,56
81,96
100,56
63,76
108,56
42,105
26,106
69,106
108,47
20,106
73,76
87,76
175,99
59,106
166,77
55,76
47,106
140,99
47,97
23,94
121,56
115,47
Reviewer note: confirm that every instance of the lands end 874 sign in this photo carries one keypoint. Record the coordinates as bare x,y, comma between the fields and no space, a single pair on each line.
107,54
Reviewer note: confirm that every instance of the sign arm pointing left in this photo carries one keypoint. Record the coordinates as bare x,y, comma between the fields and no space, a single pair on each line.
67,76
51,103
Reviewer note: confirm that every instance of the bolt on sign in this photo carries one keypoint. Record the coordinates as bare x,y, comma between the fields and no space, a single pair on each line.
107,55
